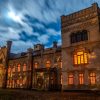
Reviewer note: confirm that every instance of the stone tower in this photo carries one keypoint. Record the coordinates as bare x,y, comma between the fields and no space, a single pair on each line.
81,49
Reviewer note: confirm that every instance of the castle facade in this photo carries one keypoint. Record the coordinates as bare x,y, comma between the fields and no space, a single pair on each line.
75,65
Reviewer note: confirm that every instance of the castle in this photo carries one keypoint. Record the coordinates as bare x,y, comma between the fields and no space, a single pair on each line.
73,66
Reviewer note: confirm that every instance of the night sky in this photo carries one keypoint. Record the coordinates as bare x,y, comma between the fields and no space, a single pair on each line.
28,22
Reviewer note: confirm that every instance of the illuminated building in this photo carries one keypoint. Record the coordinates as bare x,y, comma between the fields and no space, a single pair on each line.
73,66
81,49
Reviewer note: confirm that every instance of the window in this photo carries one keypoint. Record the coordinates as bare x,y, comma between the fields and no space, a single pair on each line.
9,69
80,57
70,79
19,67
17,81
36,65
92,78
81,78
7,82
24,67
14,69
48,64
79,36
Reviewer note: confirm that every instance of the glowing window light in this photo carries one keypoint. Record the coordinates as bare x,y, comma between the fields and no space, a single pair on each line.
14,69
81,78
80,53
48,64
24,67
9,70
19,67
92,78
75,59
80,57
36,65
85,57
17,81
70,79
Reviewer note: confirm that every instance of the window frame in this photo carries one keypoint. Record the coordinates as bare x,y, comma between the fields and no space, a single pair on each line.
48,63
82,78
72,79
79,36
36,63
92,77
19,68
75,53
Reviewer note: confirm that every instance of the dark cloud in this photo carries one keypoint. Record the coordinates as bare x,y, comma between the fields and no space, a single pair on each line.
35,21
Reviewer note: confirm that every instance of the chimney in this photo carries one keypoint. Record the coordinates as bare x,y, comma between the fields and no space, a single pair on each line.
95,6
55,44
9,43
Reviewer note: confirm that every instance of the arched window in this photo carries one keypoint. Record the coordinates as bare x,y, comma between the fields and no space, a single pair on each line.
70,79
80,57
36,65
92,78
81,78
79,36
19,67
48,64
14,69
9,69
24,67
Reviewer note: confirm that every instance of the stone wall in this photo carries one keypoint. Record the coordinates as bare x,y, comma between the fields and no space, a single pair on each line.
86,19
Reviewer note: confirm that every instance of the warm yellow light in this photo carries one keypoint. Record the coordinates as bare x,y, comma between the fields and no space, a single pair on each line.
85,57
80,58
92,78
36,65
48,64
81,79
80,53
75,59
70,79
24,67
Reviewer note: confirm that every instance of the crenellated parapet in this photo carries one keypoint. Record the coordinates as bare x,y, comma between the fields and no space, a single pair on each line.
80,16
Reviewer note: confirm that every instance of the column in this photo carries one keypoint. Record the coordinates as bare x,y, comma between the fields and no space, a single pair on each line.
76,81
86,78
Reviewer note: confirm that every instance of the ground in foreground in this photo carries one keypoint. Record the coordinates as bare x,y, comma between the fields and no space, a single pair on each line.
11,94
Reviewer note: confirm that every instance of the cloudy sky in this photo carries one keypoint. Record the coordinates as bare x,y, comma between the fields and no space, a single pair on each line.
28,22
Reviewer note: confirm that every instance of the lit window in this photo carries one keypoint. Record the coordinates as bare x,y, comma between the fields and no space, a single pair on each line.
24,80
17,81
24,67
92,78
7,82
80,57
36,65
70,79
48,64
81,78
14,69
18,67
9,69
